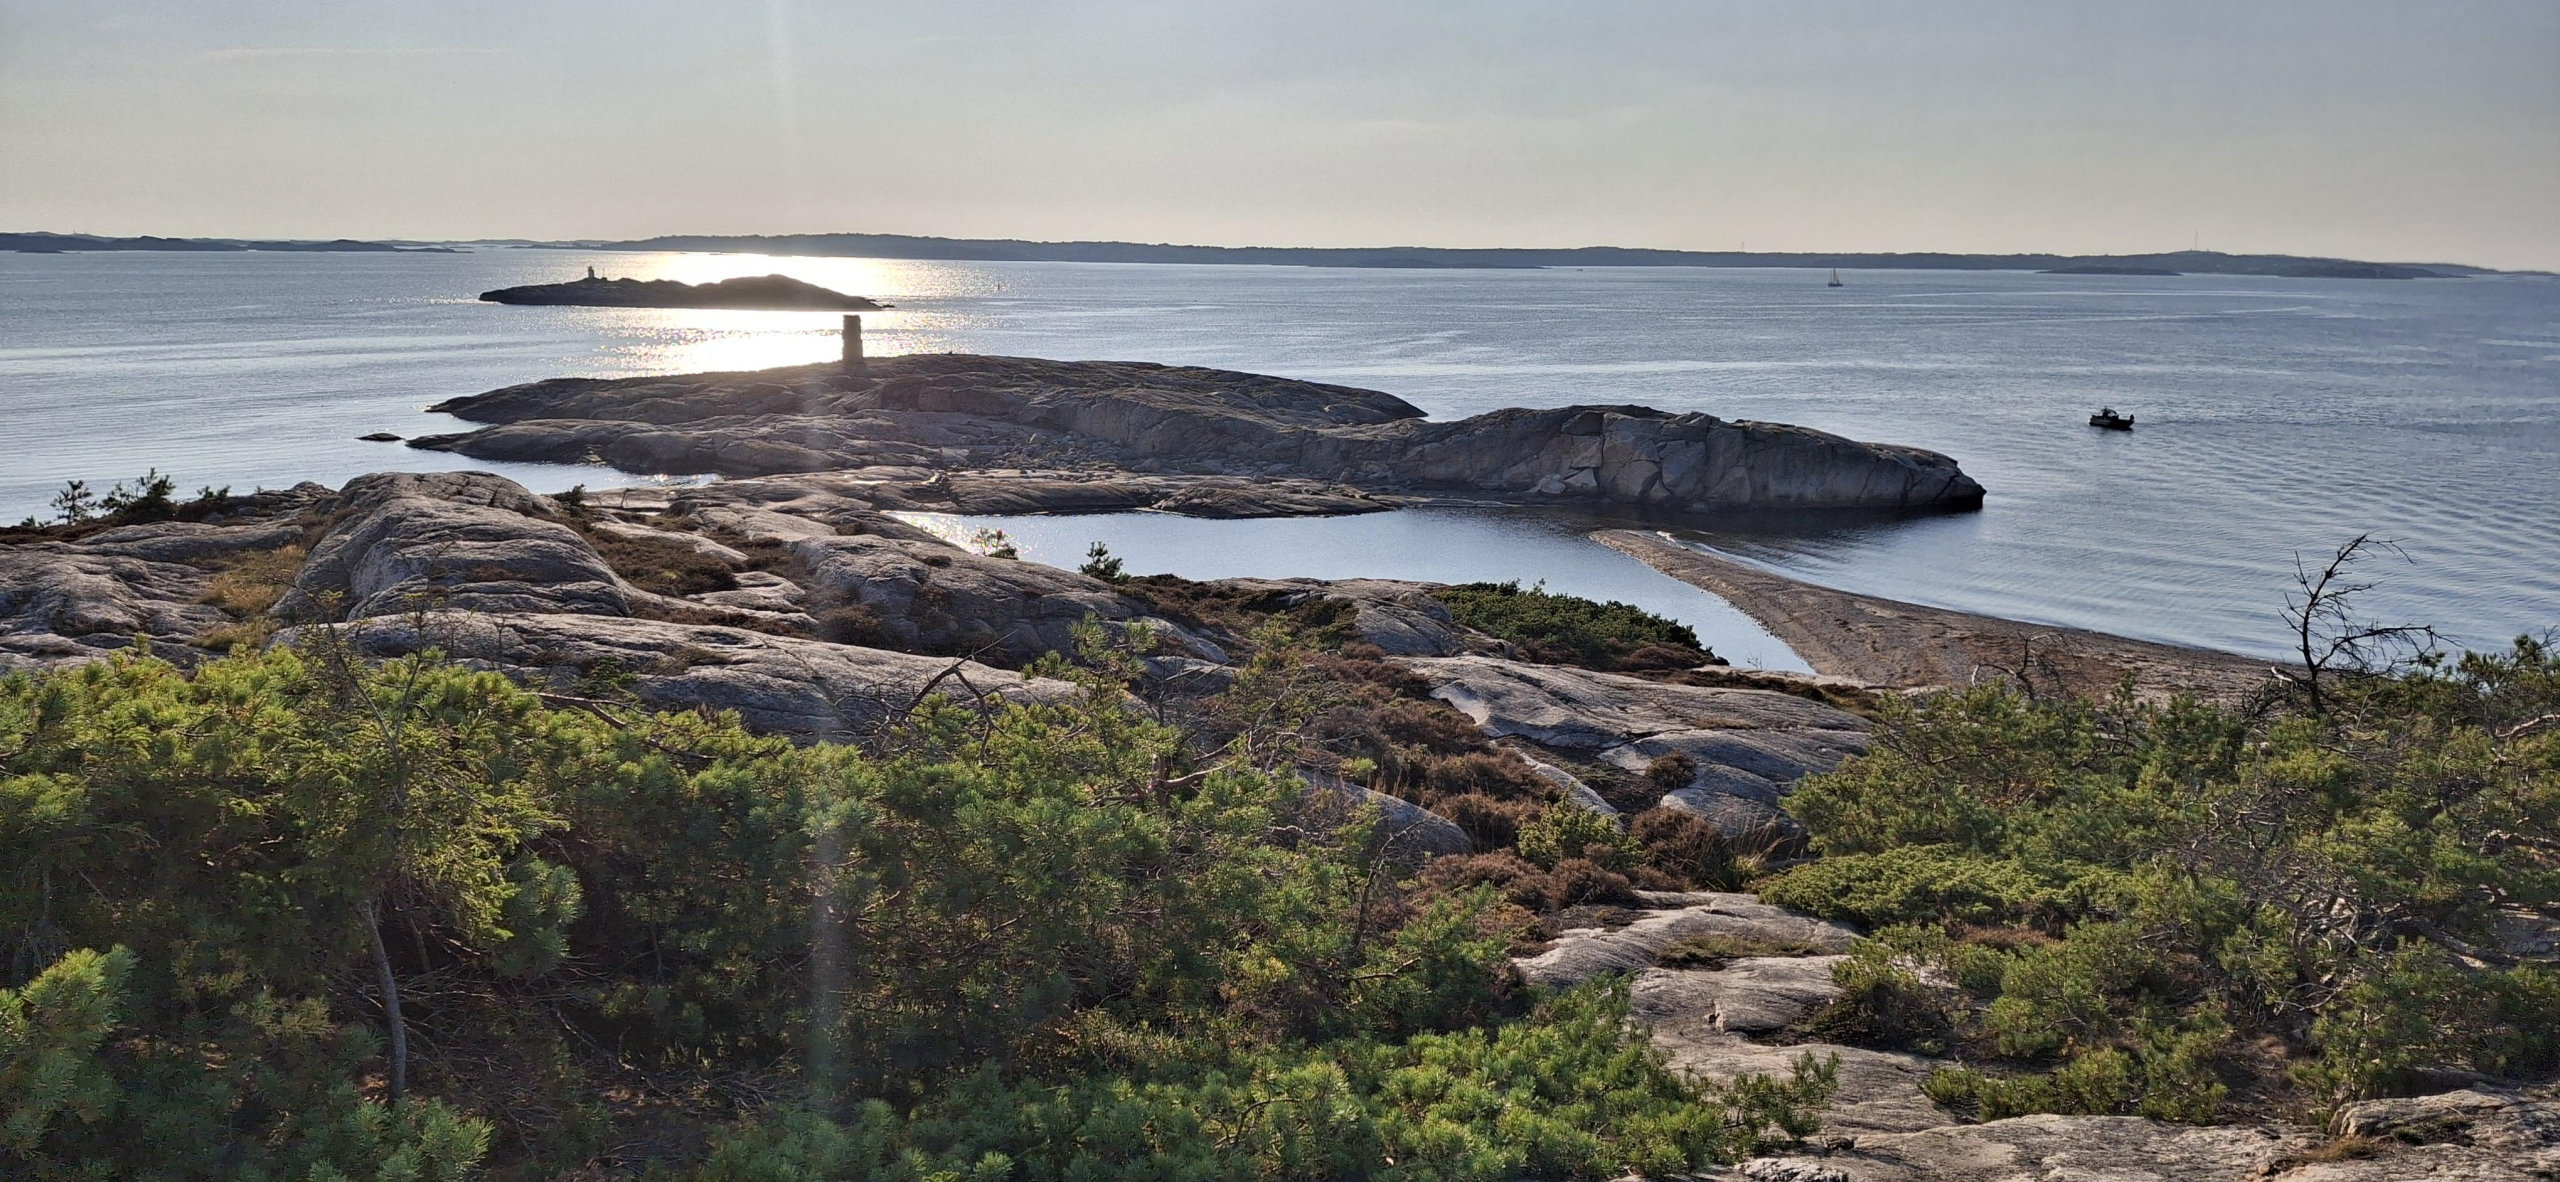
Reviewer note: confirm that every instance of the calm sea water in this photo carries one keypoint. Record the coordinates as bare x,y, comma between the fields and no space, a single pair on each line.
2276,416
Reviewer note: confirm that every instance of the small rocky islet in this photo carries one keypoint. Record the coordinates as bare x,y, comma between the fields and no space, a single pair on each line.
764,292
793,595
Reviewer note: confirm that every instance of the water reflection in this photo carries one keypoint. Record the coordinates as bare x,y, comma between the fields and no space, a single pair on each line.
695,340
1434,545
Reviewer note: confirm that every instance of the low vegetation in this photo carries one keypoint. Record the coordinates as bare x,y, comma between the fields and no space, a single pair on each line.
80,510
1715,952
2179,910
667,565
246,586
288,915
1571,630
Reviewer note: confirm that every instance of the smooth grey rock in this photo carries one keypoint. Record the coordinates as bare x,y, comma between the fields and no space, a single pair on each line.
1879,1090
1189,676
191,541
1580,954
2050,1148
1401,619
1743,820
1789,1169
778,684
2467,1136
448,540
1578,709
1210,496
934,596
1752,995
759,591
1750,745
2473,1135
754,524
61,604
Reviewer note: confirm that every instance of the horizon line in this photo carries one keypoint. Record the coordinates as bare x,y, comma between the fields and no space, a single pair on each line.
603,243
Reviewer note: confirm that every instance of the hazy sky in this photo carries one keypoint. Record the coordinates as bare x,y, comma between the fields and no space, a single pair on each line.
2416,131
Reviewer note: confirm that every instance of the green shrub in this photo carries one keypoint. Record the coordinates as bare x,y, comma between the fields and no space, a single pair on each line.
1918,884
1685,848
1568,830
1099,563
1886,998
1021,939
1570,1091
1570,630
2167,1076
1715,952
2331,884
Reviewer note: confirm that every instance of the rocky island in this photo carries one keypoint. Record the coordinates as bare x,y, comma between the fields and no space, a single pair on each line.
767,292
1110,421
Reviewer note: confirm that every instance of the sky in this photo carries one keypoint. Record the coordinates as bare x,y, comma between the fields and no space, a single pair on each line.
2390,131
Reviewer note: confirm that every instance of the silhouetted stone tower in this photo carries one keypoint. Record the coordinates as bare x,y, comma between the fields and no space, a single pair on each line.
853,344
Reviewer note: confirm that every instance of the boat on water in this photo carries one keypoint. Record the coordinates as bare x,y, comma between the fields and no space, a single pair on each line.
2109,419
1835,279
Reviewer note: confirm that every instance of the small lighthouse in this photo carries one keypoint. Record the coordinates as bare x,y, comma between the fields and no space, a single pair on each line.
853,344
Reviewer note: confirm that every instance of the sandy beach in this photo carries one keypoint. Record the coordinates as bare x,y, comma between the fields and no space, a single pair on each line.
1887,642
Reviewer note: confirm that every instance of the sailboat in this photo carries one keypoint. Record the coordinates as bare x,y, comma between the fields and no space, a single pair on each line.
1835,278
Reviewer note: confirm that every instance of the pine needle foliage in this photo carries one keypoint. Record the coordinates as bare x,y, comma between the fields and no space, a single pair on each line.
290,915
2102,903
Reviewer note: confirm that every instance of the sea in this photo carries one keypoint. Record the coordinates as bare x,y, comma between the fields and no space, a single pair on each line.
2275,418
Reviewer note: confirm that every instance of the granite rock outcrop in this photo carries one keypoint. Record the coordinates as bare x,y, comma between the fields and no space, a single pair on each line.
1749,746
786,685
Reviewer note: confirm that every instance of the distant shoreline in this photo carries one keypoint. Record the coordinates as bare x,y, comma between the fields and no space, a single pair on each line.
42,243
904,246
1012,250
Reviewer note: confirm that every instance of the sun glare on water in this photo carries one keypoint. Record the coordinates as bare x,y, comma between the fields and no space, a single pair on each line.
696,340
